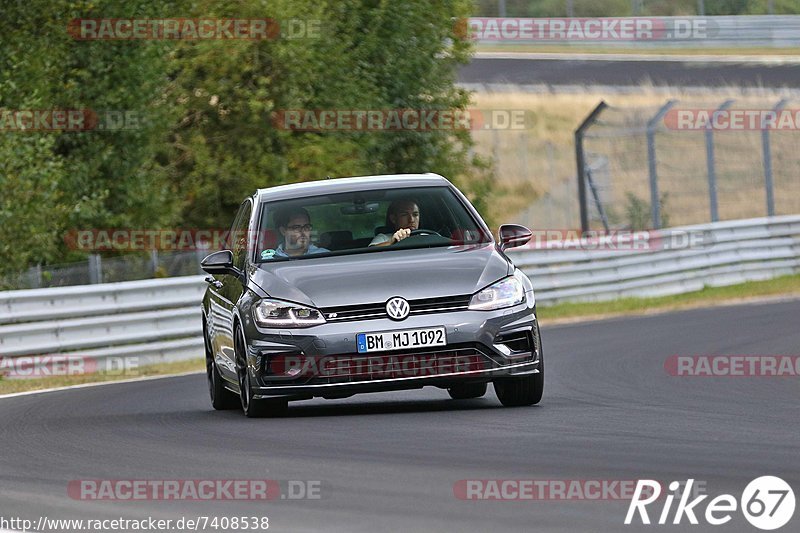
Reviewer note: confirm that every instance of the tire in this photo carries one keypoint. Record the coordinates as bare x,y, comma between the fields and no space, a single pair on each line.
221,398
466,391
524,391
251,407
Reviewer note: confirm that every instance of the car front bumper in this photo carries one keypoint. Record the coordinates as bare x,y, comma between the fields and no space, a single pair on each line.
478,349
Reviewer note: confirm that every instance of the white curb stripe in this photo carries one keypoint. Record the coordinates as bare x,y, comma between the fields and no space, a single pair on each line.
97,384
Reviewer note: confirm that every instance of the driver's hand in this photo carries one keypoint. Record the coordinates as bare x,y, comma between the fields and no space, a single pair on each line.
400,234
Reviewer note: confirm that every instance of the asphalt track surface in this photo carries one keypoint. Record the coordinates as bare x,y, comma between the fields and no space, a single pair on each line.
389,461
555,72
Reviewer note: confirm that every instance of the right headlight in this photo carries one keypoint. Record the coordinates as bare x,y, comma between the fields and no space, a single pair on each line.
507,292
276,313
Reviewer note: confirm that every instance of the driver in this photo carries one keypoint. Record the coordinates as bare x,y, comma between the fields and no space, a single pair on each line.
403,217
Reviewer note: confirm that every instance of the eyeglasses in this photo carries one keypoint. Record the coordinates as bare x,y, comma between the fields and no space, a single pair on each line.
298,227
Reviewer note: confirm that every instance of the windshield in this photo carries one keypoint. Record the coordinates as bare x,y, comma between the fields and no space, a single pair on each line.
364,222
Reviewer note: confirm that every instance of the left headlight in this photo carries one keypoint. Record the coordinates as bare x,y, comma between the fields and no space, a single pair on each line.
275,313
505,293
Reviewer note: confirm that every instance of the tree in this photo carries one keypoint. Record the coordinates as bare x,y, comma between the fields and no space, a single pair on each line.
368,55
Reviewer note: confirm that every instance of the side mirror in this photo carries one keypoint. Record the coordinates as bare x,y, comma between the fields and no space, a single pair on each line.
219,263
513,235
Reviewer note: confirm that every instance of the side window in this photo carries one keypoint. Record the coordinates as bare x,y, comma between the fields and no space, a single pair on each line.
239,235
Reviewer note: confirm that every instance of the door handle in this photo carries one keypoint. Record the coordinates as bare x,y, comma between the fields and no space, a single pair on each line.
212,281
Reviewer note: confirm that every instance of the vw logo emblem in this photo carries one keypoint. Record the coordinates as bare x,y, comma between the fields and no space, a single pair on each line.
397,308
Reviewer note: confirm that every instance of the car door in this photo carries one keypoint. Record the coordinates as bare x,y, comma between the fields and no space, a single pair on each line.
225,297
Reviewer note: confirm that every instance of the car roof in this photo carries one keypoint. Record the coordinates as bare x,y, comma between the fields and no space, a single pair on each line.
338,185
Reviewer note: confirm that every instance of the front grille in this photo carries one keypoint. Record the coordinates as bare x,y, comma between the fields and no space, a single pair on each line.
378,310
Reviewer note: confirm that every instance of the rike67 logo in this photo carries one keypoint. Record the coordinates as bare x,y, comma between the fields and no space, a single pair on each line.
767,503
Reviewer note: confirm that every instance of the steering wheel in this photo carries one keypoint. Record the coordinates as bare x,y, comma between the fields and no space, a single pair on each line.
424,232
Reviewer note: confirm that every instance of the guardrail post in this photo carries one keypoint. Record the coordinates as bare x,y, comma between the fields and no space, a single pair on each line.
765,145
580,158
95,269
710,163
652,125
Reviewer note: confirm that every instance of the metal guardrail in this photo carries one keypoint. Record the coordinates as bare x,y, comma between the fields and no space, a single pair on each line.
159,320
154,320
731,252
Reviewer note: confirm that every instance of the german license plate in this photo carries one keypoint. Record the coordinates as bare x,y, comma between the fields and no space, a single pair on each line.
401,340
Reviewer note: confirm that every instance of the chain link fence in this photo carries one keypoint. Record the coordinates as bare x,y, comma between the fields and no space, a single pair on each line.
99,269
681,164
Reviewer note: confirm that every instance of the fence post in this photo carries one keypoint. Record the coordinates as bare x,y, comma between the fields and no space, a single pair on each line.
580,159
35,276
597,202
201,252
154,261
712,172
765,145
652,125
95,269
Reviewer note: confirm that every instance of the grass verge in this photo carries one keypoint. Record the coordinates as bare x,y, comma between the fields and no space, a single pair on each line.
788,286
8,386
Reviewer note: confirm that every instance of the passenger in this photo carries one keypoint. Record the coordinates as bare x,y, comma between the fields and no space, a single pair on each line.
403,217
295,226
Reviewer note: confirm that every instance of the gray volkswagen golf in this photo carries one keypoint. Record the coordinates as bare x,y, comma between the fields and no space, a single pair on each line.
368,284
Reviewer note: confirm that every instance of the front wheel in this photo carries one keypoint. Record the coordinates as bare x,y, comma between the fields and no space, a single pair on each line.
522,391
253,408
221,398
518,392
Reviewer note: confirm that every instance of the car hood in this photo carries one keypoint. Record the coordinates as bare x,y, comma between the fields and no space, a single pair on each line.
377,276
